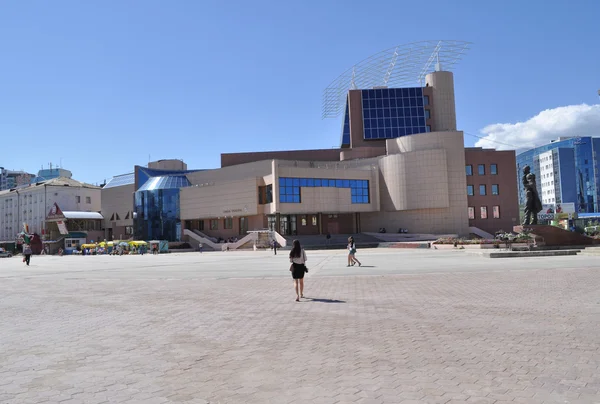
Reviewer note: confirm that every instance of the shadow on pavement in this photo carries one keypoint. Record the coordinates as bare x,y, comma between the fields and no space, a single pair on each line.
312,299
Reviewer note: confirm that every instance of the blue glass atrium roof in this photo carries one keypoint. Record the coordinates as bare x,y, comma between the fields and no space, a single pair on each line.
165,182
120,180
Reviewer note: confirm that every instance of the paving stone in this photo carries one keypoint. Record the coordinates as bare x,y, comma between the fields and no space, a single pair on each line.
220,327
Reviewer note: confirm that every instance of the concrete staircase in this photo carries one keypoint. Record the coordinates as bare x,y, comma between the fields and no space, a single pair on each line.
337,241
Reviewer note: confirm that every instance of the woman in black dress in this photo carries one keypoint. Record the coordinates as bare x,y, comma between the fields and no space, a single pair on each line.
298,268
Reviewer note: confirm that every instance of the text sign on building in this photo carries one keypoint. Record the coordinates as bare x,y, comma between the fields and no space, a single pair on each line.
62,227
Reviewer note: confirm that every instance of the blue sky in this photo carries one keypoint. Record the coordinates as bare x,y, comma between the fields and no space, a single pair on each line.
104,85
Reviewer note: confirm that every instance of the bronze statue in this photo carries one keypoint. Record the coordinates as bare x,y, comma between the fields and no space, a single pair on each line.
533,205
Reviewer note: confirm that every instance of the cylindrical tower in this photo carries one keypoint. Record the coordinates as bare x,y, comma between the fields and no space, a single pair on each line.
443,108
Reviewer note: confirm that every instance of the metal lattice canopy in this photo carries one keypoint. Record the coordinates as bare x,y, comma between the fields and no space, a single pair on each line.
400,66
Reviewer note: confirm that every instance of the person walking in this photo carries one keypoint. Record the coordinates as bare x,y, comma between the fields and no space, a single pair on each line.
27,253
298,268
351,252
275,246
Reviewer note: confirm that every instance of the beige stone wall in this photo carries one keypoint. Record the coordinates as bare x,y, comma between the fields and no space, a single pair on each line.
171,164
224,199
430,191
117,200
232,173
444,106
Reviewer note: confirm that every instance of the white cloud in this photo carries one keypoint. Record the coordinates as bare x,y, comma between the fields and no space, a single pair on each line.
570,121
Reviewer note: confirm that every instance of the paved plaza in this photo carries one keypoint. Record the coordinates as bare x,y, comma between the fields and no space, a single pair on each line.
414,326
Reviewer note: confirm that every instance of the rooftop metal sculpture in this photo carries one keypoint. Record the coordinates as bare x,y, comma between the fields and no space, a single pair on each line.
401,66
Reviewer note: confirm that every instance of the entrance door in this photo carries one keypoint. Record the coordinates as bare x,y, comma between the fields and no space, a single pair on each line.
243,226
284,225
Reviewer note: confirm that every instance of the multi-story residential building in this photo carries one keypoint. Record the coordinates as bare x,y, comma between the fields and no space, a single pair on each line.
12,179
491,191
30,204
566,171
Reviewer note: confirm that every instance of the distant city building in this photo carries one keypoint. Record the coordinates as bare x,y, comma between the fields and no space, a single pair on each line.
12,179
567,171
51,173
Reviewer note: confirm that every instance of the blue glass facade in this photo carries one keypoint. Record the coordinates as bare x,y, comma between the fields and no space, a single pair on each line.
389,113
346,128
290,189
156,204
577,169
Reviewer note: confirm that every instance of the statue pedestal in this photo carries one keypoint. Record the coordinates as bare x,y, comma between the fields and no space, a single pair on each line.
555,236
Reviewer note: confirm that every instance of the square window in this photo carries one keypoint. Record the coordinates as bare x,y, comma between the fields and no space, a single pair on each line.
494,169
481,169
495,189
331,183
405,93
303,182
354,199
471,212
366,113
378,93
412,92
483,212
381,133
470,190
386,103
373,103
346,183
296,182
352,183
339,183
419,101
317,182
352,191
469,169
296,199
289,182
388,133
367,133
296,190
482,190
386,113
379,104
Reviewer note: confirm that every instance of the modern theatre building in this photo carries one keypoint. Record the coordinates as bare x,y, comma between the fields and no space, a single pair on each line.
400,165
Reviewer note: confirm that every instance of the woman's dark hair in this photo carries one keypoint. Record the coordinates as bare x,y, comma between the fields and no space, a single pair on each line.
296,249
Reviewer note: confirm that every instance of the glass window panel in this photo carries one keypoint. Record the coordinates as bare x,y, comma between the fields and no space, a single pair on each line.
393,112
401,131
289,182
495,189
339,183
425,100
381,133
419,92
381,123
296,190
415,121
353,199
412,101
482,190
393,103
413,92
303,182
365,103
378,93
289,190
379,103
367,133
420,112
317,182
494,169
469,169
282,198
419,101
371,93
352,191
352,183
406,112
481,169
405,93
428,128
296,182
297,198
325,183
373,103
332,183
470,190
388,133
422,122
409,131
414,112
388,123
367,123
427,114
386,103
366,113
